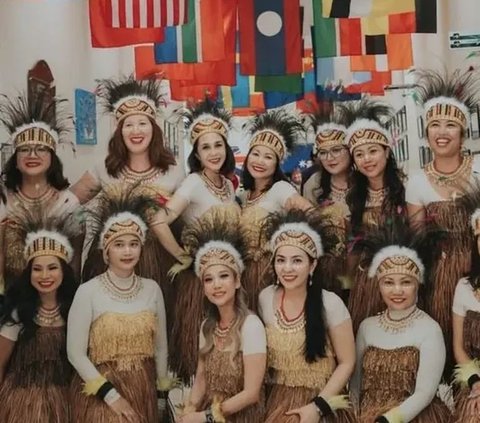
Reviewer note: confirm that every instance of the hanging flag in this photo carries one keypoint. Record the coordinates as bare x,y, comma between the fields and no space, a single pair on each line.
426,16
270,37
286,83
375,44
181,92
324,33
350,37
364,8
399,51
375,25
375,86
402,23
104,36
200,40
377,62
145,13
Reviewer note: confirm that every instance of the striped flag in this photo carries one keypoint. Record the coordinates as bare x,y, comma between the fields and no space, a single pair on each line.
145,13
201,39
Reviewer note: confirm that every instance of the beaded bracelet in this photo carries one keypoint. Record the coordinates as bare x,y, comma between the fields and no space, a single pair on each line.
104,390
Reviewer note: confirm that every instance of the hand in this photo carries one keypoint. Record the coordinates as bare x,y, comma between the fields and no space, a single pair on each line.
195,417
308,413
473,404
123,409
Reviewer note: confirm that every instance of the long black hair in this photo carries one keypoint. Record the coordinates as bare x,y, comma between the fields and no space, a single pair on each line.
473,274
23,298
55,178
394,203
248,181
315,319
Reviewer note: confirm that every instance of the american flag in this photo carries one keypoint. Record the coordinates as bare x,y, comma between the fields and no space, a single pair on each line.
146,13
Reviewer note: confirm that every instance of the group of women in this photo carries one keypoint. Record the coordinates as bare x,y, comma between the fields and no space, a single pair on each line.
350,303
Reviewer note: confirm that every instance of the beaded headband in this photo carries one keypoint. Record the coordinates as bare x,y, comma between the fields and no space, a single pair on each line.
35,133
367,131
134,105
446,108
47,243
299,235
329,135
124,223
394,260
270,139
218,252
207,123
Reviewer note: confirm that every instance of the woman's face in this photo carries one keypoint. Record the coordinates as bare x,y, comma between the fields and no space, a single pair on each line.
220,284
47,274
444,138
33,160
399,292
371,160
293,267
211,151
261,162
335,160
124,253
137,133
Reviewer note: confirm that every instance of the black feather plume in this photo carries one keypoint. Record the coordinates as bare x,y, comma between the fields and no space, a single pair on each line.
207,106
113,90
366,108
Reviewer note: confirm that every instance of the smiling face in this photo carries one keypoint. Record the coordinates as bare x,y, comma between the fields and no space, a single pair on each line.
47,274
335,160
399,292
137,133
371,160
444,138
123,254
220,284
211,151
293,267
261,162
33,160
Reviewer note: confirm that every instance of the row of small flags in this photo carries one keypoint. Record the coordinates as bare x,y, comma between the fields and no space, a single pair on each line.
258,54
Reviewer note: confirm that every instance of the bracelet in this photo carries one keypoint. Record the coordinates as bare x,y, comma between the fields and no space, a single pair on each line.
209,416
323,407
472,380
104,390
162,394
381,419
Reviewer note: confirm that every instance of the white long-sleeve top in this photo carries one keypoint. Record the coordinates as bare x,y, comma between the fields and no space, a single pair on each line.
425,335
92,300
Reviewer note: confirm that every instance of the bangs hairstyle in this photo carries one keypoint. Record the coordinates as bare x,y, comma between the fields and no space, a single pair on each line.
248,181
117,157
227,168
55,177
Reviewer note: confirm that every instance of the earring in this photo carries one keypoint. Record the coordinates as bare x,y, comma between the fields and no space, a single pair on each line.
310,279
277,282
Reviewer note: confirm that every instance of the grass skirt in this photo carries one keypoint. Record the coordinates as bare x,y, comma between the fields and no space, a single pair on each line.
282,398
452,265
389,377
189,314
258,274
137,386
35,388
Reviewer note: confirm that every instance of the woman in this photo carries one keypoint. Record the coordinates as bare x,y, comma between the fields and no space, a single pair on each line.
205,192
117,339
232,357
273,135
328,189
311,350
433,193
34,173
136,156
34,370
466,312
400,352
376,197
